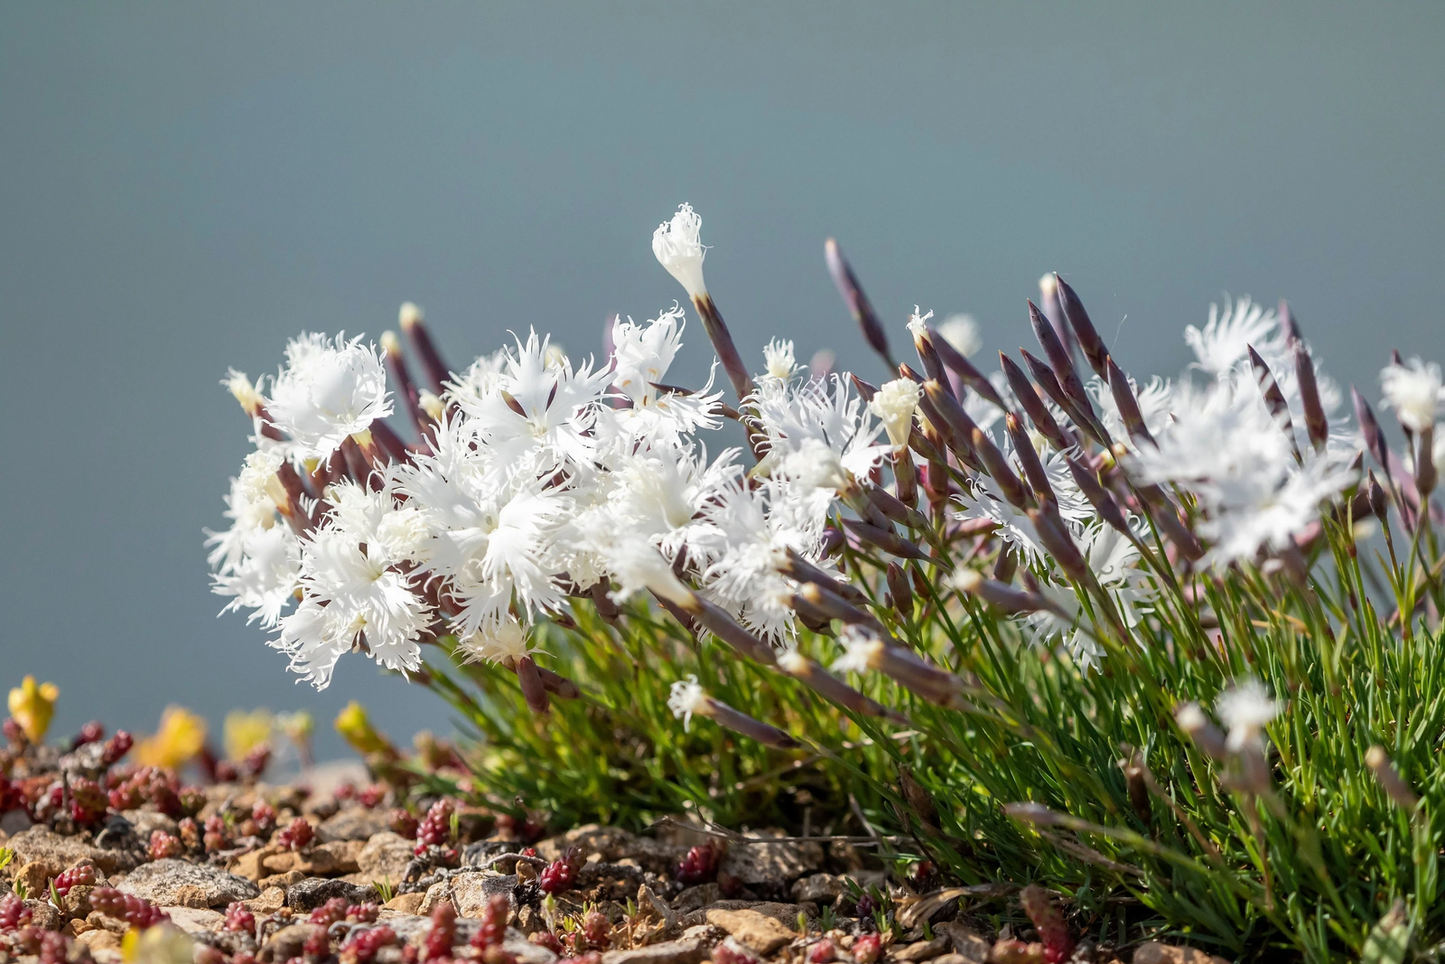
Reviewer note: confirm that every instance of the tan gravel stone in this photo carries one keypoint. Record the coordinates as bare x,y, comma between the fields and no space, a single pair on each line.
762,933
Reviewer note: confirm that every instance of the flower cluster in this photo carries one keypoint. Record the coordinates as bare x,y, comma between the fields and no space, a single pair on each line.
528,480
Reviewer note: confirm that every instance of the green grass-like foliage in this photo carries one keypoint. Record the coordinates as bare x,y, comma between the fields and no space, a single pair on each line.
1164,846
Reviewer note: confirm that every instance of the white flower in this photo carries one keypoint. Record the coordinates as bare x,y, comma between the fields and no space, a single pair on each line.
1113,559
961,332
1226,447
641,357
264,575
778,359
638,567
505,640
860,651
243,391
1225,341
330,389
806,418
533,416
1414,391
687,698
1154,399
1015,528
353,599
1244,709
895,404
918,322
676,245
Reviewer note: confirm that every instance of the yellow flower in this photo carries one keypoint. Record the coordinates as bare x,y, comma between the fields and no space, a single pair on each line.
32,705
244,732
354,725
179,737
161,944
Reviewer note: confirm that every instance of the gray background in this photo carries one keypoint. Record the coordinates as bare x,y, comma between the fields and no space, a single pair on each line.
182,187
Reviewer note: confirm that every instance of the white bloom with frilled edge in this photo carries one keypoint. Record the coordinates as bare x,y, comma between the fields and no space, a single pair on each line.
676,245
1245,709
1413,390
330,389
686,698
894,405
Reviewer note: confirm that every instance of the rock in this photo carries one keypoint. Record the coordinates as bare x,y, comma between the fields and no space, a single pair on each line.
966,944
285,943
43,915
251,864
385,856
405,903
197,922
40,843
102,944
920,950
283,881
470,892
271,900
759,931
100,921
686,950
591,838
703,895
35,875
353,823
344,854
178,883
77,902
311,893
147,821
13,822
818,887
785,914
777,864
1154,952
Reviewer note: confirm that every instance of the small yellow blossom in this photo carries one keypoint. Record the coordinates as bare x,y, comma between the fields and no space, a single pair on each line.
244,732
161,944
32,705
355,727
180,736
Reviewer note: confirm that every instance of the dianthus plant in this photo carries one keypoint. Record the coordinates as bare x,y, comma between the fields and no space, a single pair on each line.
1170,640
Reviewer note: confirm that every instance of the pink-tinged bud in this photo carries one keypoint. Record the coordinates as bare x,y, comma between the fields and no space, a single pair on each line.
1289,324
950,424
857,301
1273,397
823,600
1058,357
812,675
867,949
1425,473
1127,404
889,542
795,566
1002,596
1316,423
966,372
401,374
1092,345
1370,429
1034,406
1023,446
1054,534
923,343
1049,382
1048,920
1000,471
413,325
725,628
533,690
722,343
899,589
905,477
893,508
1099,497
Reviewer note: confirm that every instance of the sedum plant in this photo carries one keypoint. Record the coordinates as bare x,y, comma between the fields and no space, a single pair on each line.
1170,647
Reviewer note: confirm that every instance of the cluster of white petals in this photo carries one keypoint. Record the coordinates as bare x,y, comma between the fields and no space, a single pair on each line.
531,479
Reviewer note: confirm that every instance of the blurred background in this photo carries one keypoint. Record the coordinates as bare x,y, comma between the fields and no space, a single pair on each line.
183,187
